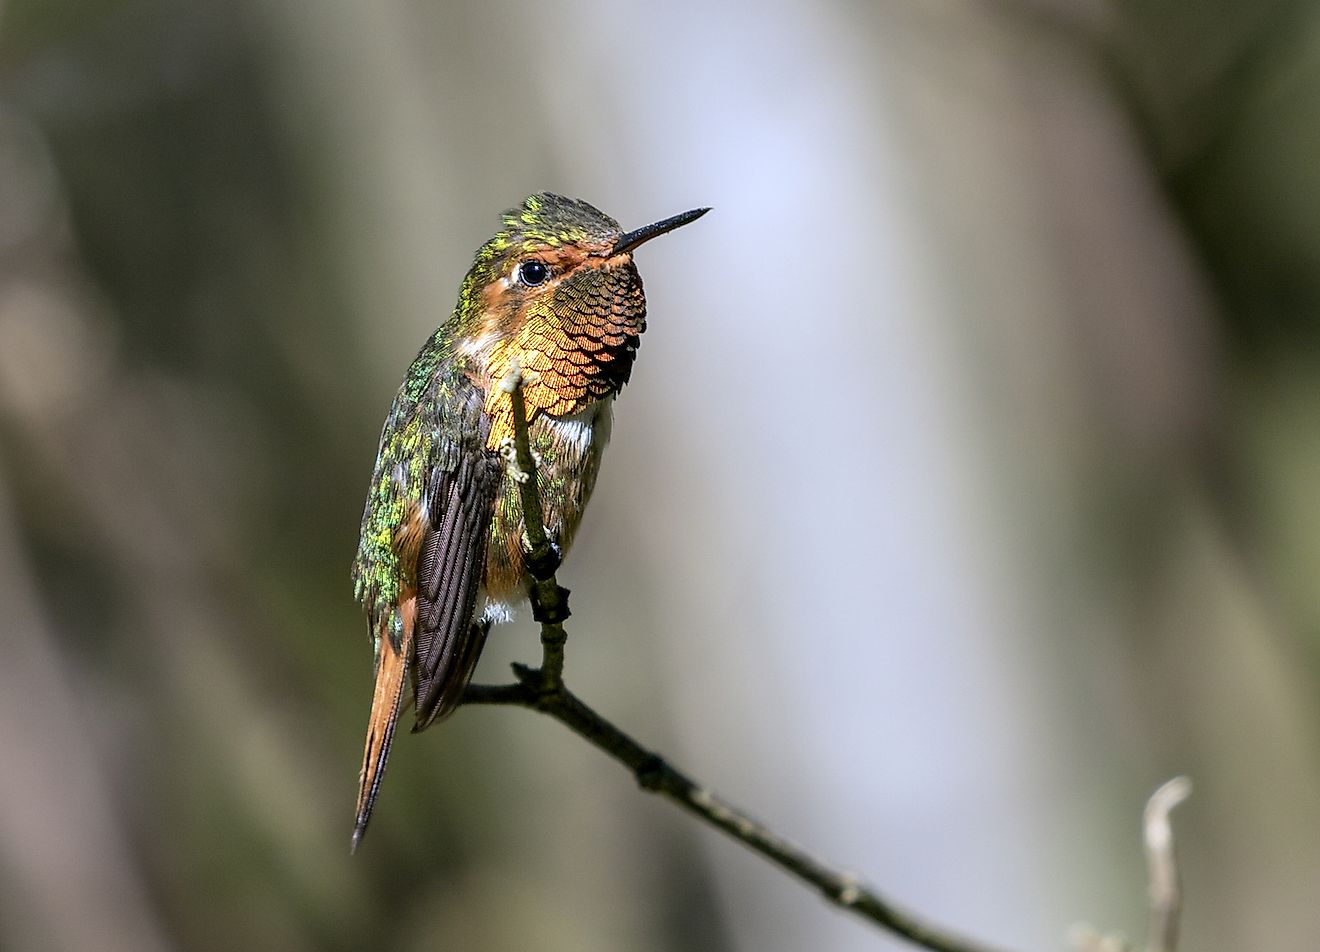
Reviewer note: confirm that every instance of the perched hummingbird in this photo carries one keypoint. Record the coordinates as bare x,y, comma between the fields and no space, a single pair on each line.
441,558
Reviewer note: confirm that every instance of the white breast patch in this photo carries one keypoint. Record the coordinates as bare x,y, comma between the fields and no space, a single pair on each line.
581,430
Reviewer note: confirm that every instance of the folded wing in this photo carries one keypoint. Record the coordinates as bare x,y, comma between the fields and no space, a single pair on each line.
450,566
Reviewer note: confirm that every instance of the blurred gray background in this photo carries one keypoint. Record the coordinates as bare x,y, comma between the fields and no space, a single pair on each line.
966,488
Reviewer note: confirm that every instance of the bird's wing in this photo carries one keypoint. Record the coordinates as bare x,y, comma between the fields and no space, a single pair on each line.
451,564
438,638
438,549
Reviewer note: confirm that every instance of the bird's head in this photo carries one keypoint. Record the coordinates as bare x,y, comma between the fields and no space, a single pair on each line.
556,291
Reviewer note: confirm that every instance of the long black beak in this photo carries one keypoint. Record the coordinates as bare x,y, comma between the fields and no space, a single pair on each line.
634,238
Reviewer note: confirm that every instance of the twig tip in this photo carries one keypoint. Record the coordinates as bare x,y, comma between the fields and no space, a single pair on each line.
1169,795
1159,833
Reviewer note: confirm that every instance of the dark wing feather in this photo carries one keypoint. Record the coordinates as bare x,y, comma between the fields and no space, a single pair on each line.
450,567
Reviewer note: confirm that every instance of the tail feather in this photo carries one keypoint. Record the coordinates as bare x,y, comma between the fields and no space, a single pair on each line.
386,704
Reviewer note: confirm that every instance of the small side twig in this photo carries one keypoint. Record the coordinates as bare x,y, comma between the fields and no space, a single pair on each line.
1162,879
1162,865
544,690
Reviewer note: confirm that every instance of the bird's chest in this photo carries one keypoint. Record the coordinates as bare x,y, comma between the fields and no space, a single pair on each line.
569,451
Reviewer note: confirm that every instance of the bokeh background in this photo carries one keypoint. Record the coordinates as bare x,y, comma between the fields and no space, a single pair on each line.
966,488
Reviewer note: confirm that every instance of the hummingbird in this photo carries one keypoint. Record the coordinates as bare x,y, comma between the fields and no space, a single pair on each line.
555,295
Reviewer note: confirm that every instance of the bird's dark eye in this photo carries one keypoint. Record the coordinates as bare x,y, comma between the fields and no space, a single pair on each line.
532,272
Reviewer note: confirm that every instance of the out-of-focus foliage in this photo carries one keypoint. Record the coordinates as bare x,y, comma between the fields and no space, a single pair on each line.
966,488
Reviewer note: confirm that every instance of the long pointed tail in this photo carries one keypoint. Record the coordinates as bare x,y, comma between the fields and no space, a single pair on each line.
386,703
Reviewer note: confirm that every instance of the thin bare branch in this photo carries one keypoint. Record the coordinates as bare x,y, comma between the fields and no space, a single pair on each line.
657,775
542,689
